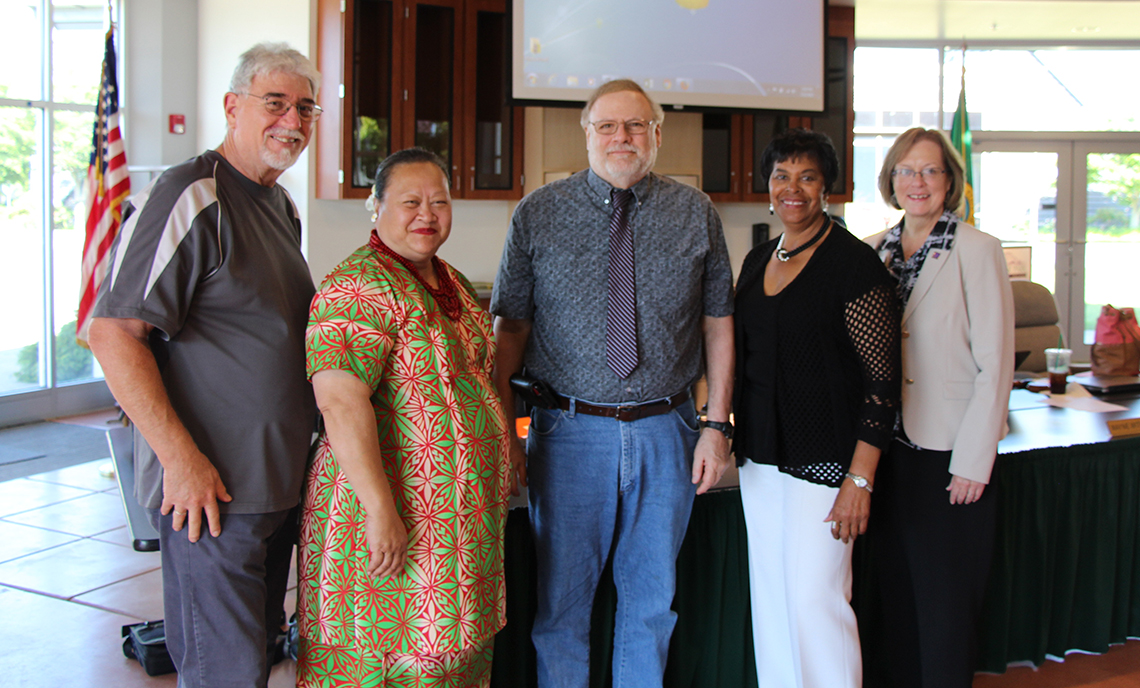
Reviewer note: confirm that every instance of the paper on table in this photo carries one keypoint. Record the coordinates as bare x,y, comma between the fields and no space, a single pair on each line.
1079,398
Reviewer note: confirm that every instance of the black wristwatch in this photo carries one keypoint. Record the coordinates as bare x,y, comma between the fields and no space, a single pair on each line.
724,427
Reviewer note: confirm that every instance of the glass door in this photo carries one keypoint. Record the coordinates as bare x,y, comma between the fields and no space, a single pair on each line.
1016,198
1109,206
48,88
1074,202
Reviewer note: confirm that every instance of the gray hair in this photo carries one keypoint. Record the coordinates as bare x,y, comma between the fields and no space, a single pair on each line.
617,86
268,58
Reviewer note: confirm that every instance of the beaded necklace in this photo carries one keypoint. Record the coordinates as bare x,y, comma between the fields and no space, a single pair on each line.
445,295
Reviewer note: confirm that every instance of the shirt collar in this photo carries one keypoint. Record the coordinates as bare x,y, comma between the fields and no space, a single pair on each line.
602,189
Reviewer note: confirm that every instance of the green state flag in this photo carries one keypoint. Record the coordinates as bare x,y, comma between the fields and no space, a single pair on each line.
963,142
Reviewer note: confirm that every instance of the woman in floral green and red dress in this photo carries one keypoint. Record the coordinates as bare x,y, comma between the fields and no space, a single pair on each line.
401,565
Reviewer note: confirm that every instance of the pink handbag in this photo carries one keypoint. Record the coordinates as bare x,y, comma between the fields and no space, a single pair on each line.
1116,350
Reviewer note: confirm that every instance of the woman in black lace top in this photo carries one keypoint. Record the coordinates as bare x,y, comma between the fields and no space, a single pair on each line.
817,389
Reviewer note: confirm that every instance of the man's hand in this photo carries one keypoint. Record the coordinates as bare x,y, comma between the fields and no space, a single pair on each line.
710,459
190,486
518,463
190,483
510,338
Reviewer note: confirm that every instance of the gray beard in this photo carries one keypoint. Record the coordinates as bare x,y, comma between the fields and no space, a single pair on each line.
279,161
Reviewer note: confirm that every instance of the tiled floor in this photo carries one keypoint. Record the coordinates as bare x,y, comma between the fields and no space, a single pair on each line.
69,580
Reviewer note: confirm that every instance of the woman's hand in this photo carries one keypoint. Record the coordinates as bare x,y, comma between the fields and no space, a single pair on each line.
850,512
345,402
852,506
964,490
387,543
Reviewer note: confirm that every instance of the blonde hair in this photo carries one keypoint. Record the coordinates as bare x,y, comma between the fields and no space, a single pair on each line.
951,161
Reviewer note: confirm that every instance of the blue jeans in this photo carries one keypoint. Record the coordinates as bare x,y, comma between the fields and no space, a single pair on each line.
598,484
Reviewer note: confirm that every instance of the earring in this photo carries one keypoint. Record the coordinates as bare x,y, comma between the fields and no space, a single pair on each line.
771,208
826,205
370,204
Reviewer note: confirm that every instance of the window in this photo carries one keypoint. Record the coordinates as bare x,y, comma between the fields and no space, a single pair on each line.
49,79
1055,157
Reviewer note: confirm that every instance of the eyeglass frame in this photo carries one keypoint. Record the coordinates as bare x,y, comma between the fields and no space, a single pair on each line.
265,99
926,174
618,125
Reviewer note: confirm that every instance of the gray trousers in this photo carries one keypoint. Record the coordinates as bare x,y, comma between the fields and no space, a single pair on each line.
224,597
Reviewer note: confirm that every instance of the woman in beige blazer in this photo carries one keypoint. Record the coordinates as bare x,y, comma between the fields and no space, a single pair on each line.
934,517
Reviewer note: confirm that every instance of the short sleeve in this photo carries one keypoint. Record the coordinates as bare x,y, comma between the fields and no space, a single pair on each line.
353,324
513,293
164,249
718,293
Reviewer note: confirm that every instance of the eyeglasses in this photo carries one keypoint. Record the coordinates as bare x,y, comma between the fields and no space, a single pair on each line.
279,107
927,174
633,127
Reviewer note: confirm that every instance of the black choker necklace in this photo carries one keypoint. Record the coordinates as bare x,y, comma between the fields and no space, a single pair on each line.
785,256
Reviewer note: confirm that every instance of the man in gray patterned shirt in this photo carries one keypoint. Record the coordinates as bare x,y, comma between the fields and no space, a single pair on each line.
612,468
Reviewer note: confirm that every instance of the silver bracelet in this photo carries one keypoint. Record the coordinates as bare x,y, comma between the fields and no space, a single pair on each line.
860,481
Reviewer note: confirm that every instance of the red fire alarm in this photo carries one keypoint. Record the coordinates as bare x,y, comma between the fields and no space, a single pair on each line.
178,124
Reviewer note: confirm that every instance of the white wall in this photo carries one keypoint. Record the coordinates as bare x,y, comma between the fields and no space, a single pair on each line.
738,219
161,72
478,229
226,29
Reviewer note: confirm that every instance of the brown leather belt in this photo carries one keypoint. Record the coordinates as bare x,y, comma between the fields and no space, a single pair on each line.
626,412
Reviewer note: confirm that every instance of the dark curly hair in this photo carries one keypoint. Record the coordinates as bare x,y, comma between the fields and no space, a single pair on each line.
796,143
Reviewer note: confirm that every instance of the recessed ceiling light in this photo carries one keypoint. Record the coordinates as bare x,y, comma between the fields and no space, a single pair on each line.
1086,29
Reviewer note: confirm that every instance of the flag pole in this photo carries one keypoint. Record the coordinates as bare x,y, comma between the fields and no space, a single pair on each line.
108,185
962,142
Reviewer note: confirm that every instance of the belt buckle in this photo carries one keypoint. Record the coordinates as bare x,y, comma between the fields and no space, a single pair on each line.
627,412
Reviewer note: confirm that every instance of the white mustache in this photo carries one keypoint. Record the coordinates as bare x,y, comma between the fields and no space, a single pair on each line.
282,132
623,147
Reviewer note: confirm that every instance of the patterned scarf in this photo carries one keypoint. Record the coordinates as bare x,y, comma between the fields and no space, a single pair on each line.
905,271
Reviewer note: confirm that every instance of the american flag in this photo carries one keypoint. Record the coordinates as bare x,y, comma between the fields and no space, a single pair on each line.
108,185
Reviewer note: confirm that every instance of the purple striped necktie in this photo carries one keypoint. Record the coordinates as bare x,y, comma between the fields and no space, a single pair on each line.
621,314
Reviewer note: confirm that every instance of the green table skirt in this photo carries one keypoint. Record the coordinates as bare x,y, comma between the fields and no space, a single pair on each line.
1066,576
1066,571
712,642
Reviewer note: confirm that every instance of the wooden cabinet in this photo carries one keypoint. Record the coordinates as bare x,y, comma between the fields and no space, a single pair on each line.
733,147
733,143
428,73
838,118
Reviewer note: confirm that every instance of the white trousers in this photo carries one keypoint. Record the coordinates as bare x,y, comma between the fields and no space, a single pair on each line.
803,628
